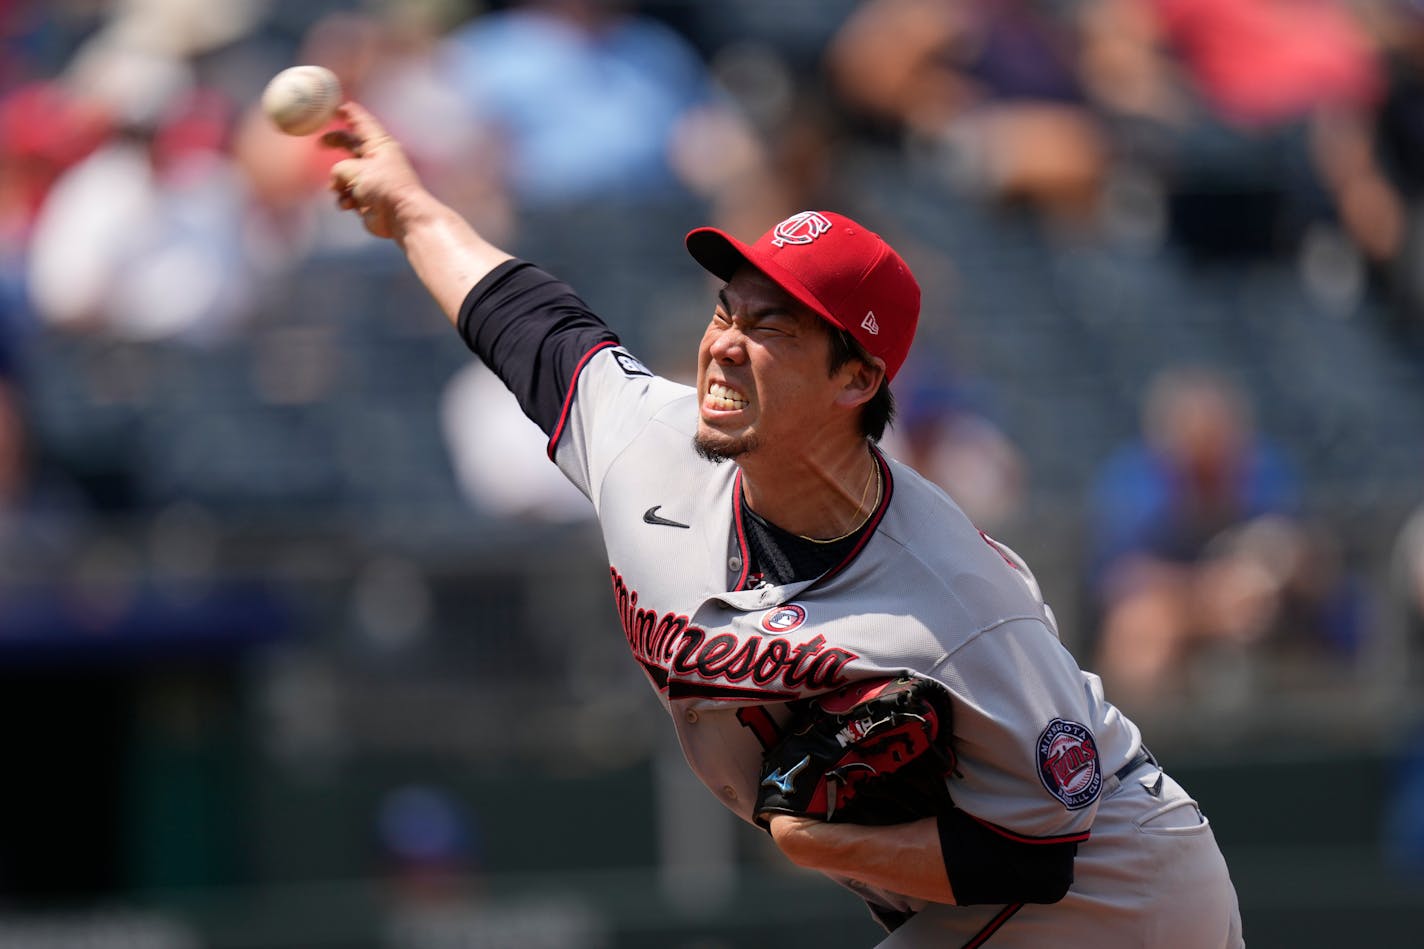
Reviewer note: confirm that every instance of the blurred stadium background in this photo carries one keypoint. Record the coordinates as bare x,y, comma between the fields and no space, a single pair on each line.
300,644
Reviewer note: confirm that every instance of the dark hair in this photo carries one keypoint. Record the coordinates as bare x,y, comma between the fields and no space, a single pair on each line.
877,414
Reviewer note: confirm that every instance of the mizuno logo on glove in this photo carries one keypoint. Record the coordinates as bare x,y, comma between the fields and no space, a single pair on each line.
878,751
784,781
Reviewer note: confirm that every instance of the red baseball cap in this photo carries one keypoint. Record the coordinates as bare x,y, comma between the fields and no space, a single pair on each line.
844,272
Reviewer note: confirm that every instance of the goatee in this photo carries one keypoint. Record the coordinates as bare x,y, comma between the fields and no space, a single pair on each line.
718,451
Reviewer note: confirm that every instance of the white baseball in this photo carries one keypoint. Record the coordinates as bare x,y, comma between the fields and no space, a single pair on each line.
302,99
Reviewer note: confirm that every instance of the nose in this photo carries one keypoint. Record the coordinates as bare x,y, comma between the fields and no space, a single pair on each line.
728,344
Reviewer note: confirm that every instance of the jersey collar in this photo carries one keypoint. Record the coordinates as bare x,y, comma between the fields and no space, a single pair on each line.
872,523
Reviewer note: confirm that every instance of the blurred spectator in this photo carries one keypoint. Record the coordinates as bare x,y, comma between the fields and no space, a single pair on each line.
941,434
144,238
1239,110
429,844
587,99
500,456
388,57
44,130
1377,167
1198,544
126,243
992,84
798,137
1258,63
176,219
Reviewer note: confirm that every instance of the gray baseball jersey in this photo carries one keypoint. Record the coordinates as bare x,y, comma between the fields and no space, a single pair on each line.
926,593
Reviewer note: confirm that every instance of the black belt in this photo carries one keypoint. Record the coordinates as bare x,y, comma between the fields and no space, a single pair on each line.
1142,757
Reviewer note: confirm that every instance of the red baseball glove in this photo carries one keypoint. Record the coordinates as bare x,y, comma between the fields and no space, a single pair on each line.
874,752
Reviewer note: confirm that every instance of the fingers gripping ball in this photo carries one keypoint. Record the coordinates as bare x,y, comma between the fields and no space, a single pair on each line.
875,752
302,99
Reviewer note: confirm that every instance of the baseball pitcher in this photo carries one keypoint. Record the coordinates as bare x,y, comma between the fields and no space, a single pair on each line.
848,662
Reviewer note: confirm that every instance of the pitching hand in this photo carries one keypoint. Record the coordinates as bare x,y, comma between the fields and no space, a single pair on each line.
377,180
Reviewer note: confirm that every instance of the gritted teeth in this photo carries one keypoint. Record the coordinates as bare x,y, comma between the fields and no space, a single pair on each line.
724,397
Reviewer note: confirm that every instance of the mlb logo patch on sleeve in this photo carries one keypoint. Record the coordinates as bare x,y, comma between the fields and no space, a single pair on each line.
1068,763
629,364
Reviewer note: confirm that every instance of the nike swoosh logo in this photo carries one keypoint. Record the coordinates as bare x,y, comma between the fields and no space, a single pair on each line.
650,516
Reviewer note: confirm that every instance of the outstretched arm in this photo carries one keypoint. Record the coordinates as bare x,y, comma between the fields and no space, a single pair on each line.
902,858
378,181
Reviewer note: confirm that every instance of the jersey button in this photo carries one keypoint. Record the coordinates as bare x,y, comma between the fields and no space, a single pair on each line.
729,792
691,716
734,563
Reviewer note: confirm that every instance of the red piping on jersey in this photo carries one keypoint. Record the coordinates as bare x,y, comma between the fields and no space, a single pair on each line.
1020,838
998,550
741,531
875,518
869,529
993,926
569,396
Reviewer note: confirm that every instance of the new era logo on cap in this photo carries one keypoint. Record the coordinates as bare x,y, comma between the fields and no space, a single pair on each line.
839,269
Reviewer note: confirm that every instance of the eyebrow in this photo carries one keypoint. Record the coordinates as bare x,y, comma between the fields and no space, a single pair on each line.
772,310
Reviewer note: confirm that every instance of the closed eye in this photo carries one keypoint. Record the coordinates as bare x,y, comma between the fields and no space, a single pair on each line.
776,323
771,320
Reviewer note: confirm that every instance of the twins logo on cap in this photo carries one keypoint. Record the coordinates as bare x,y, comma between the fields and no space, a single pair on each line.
843,272
1068,763
801,228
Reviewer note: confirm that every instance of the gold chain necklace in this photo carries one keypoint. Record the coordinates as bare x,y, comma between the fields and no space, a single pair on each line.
879,487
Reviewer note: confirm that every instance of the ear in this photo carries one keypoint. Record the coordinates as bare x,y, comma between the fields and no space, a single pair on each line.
862,379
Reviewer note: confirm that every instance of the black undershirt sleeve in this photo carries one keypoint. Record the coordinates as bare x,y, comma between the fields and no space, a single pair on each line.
532,330
986,867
